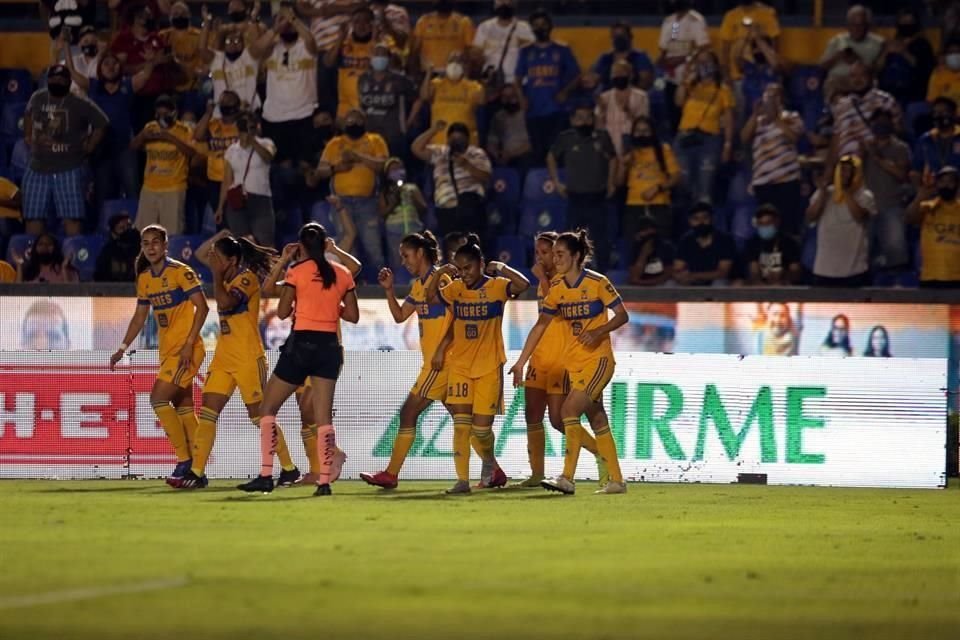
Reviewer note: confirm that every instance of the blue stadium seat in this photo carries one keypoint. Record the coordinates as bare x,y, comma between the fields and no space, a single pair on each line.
84,251
618,277
539,187
620,253
10,115
512,250
504,201
16,85
19,245
183,248
112,208
502,220
548,215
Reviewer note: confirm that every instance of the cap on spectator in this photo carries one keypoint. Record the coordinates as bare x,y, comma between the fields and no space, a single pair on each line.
165,101
58,71
947,171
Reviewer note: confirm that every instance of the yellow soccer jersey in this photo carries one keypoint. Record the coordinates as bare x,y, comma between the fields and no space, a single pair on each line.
168,292
477,325
434,319
580,308
552,347
240,344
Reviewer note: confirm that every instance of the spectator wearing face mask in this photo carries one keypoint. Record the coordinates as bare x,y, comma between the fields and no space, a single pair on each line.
86,61
653,255
461,173
650,172
937,212
351,57
621,37
117,259
218,133
683,35
184,42
453,98
547,71
705,255
62,130
168,145
46,263
353,161
289,53
772,257
908,60
842,212
939,147
501,38
945,80
320,135
886,168
621,105
438,35
389,100
508,143
742,26
852,112
233,69
246,168
705,134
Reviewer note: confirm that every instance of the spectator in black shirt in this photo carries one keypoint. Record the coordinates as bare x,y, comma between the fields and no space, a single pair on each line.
654,263
388,99
117,259
705,255
772,257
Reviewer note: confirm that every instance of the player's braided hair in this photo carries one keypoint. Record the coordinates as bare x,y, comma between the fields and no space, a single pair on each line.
254,257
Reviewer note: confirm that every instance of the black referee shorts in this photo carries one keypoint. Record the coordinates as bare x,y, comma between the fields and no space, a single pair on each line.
310,353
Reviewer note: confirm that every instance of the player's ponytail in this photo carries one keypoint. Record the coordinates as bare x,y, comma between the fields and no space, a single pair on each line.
426,242
578,242
254,257
472,249
313,237
142,264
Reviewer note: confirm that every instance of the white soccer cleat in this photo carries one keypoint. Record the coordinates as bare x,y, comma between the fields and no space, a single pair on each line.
560,485
613,487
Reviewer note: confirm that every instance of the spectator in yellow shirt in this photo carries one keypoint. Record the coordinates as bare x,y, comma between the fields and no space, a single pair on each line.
439,34
650,172
937,212
351,56
453,98
747,19
167,142
945,79
9,202
353,161
185,43
218,133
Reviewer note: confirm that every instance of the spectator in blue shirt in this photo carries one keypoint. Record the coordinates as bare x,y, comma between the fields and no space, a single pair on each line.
622,38
547,71
940,146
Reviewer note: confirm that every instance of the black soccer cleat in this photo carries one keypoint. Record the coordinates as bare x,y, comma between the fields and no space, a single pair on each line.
323,490
260,484
288,478
193,481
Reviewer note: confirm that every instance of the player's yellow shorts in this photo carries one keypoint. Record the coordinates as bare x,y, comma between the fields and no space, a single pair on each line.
545,376
250,381
171,372
302,389
431,384
593,378
484,394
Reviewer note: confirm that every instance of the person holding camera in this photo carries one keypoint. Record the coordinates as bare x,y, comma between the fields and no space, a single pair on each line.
705,134
402,205
858,44
246,202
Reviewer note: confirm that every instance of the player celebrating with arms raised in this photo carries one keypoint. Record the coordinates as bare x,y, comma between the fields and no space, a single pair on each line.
580,299
419,254
322,292
475,384
173,290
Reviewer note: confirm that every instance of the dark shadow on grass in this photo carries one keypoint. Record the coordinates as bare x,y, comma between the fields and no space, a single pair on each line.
129,489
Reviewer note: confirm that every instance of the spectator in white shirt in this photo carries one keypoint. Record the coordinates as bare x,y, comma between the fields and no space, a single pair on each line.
86,61
290,53
234,69
501,38
247,166
619,107
682,35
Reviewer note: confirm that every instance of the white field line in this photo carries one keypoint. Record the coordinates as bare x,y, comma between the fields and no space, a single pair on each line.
73,595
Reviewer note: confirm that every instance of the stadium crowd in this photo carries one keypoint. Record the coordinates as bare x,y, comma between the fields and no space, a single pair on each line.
702,163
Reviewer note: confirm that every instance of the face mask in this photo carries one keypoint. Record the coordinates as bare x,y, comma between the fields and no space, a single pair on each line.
620,82
947,193
354,130
542,34
229,110
233,55
759,59
89,50
58,90
289,36
45,258
642,141
621,43
703,230
238,16
953,61
882,129
379,63
504,12
767,231
907,30
180,22
707,70
584,129
511,107
362,39
943,122
458,145
454,70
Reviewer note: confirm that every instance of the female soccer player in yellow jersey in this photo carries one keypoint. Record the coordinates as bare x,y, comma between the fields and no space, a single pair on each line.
419,254
544,385
475,381
238,266
580,299
173,290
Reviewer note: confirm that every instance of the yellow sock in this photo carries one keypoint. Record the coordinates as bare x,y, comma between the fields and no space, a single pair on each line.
485,443
574,433
203,441
587,441
308,434
189,421
401,447
608,451
475,444
170,421
536,447
283,453
462,424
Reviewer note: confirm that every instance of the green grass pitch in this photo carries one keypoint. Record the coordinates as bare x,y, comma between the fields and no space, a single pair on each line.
136,560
